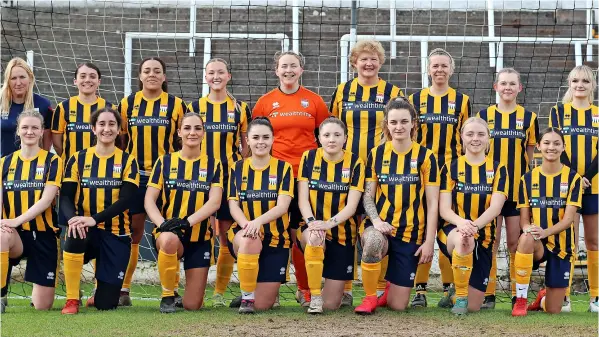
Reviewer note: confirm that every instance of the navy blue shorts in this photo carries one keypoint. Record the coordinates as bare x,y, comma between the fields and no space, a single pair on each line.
509,209
111,253
223,212
272,263
41,251
137,202
402,262
557,270
481,262
589,204
295,216
339,261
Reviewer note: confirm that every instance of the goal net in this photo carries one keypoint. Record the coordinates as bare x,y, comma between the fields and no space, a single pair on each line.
543,40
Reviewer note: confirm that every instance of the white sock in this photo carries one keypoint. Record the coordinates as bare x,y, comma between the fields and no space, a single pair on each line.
379,293
247,296
521,290
125,289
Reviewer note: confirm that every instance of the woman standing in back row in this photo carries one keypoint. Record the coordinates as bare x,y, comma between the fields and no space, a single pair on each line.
151,118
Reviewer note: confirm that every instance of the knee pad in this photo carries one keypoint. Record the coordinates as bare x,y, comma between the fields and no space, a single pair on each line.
74,245
107,296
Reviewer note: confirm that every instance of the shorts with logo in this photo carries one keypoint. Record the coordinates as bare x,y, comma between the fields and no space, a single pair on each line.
41,251
557,270
509,209
272,263
402,262
137,202
481,262
196,254
111,253
589,204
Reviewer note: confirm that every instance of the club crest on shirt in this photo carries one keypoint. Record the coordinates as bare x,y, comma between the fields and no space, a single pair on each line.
316,169
203,173
72,113
386,162
414,164
117,168
275,105
380,98
563,188
595,119
231,116
163,108
519,123
272,180
345,173
305,103
451,105
490,174
39,170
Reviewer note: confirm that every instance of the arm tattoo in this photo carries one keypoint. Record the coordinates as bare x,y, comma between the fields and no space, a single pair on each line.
368,201
334,221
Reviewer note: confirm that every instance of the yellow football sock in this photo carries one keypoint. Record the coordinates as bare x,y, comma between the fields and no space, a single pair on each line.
492,285
522,268
348,287
167,268
247,265
3,267
571,277
370,276
314,256
382,283
224,269
178,278
421,278
593,267
462,269
446,272
132,265
513,280
73,265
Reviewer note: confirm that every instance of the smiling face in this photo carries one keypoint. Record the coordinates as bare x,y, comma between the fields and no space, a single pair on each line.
217,75
551,147
439,69
400,124
508,86
368,65
260,139
289,70
192,131
30,131
152,75
580,86
475,138
106,128
19,82
87,80
332,137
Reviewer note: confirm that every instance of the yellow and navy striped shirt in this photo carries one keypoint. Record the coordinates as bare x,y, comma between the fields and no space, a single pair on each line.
184,188
471,187
224,124
581,132
23,182
329,184
71,119
151,126
361,108
511,133
547,196
257,191
99,180
401,179
440,120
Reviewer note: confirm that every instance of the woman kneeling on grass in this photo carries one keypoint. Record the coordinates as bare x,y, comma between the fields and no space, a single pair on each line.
548,200
473,191
188,188
330,182
260,190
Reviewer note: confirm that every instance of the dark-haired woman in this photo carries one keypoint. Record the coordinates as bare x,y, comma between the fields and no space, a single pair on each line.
401,201
98,185
151,118
548,199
